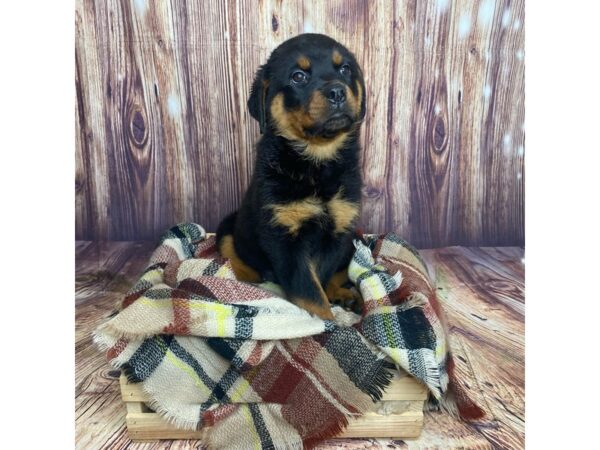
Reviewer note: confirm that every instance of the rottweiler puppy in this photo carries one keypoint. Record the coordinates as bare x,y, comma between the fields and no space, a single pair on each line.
297,220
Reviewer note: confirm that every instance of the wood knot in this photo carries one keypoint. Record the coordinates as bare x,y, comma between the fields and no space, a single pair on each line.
138,129
274,23
372,192
399,24
78,183
439,135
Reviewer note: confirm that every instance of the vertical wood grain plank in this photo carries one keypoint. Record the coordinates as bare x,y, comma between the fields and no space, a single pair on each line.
147,132
166,98
429,155
92,195
203,37
83,194
377,154
503,223
134,157
401,97
464,71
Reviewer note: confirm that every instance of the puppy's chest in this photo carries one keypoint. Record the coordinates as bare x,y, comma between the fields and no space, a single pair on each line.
298,181
314,197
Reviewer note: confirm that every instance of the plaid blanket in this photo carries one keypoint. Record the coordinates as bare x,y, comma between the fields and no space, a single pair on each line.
255,371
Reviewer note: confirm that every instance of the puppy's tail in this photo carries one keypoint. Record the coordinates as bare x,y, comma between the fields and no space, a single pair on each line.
226,227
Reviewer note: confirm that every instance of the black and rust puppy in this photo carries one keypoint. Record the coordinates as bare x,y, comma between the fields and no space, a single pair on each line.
296,223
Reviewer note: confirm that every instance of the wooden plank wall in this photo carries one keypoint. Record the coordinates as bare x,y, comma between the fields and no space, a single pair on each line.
163,133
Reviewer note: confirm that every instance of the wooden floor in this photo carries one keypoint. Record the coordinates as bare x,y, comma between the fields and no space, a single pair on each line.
482,290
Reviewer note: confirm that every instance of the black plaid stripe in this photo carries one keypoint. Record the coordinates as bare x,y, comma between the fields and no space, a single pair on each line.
244,323
416,330
351,353
160,265
212,268
187,234
261,428
243,327
227,348
407,329
218,395
193,232
159,293
147,357
416,364
388,281
222,387
140,287
330,326
382,329
362,277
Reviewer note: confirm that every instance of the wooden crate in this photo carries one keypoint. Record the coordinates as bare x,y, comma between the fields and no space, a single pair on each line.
398,415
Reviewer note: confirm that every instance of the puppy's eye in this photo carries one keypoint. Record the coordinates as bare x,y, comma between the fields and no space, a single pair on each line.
345,70
299,77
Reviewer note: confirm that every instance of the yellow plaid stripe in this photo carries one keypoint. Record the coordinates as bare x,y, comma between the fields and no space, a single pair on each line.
223,313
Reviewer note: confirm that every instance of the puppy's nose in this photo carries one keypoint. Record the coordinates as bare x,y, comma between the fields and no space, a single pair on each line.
336,95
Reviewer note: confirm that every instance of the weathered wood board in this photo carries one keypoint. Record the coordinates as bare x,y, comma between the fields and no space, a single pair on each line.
163,133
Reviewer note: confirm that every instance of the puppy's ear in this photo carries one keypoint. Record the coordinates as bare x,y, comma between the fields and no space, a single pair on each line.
258,98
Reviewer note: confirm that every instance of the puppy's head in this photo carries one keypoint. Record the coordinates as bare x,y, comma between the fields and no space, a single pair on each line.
311,90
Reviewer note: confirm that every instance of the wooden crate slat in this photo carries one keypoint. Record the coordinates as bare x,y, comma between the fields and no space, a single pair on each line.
153,426
405,422
147,426
372,425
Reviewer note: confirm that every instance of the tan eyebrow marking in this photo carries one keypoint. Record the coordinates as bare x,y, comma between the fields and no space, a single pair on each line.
337,58
303,62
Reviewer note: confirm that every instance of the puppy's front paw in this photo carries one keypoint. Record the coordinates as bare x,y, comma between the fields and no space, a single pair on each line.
320,309
346,298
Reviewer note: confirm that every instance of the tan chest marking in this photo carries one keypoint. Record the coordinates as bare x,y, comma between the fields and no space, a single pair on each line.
343,212
320,150
293,214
